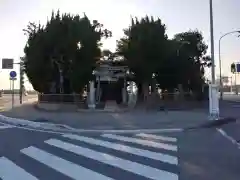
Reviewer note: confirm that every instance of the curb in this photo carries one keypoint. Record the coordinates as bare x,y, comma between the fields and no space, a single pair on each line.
61,128
35,105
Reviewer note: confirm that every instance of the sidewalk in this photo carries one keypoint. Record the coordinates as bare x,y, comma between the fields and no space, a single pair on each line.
6,101
136,119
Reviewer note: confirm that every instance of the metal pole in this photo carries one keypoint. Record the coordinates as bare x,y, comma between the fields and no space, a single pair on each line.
236,90
21,88
212,42
98,90
12,93
10,88
220,61
220,70
213,90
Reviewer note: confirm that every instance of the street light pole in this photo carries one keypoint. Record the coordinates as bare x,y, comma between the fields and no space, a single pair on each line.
212,42
213,89
220,61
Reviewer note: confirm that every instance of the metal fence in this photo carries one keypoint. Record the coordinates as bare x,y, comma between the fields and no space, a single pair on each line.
61,98
231,96
176,101
156,100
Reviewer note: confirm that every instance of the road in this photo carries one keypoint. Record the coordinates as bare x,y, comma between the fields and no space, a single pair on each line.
201,154
231,97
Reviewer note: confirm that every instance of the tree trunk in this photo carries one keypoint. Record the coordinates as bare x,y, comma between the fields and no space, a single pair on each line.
140,92
145,91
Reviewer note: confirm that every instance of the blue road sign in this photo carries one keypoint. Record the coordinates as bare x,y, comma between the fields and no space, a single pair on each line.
13,74
238,67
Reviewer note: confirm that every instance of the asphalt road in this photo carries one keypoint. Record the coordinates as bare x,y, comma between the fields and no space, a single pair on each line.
198,155
231,97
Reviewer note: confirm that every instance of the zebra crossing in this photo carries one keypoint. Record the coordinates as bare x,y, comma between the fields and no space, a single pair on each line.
127,154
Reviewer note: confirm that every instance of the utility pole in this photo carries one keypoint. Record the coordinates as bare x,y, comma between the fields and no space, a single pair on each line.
212,42
213,88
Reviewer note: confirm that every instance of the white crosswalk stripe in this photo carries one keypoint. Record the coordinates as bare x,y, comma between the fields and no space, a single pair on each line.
158,137
10,171
65,167
142,142
151,146
124,148
6,126
126,165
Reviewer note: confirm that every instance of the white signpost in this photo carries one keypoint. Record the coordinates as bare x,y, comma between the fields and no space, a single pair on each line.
13,76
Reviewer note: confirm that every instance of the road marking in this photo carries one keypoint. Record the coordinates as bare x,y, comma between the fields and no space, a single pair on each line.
12,121
10,171
61,165
142,142
6,126
140,169
231,139
52,131
124,148
157,137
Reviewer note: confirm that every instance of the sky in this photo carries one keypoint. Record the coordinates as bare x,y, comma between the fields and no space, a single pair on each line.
177,15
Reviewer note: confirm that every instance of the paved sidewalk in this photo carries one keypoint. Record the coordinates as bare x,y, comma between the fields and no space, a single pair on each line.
137,119
6,101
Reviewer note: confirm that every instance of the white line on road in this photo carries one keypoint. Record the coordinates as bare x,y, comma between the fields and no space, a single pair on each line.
142,142
6,126
124,148
157,137
61,165
10,171
126,165
231,139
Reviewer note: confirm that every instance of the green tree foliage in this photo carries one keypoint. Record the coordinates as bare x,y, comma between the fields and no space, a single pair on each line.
233,68
149,53
185,62
108,55
144,47
193,59
67,44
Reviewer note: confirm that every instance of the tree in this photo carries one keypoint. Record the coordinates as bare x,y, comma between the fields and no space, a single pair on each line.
233,68
168,72
194,59
144,47
185,62
106,53
63,53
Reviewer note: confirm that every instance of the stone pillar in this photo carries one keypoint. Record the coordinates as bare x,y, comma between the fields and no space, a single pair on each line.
91,103
213,102
131,96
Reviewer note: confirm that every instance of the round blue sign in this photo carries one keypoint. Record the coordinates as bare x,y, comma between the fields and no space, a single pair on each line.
13,74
